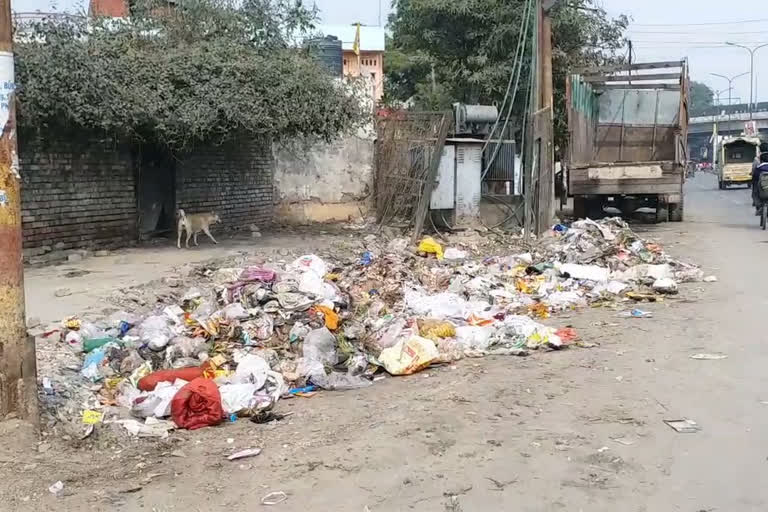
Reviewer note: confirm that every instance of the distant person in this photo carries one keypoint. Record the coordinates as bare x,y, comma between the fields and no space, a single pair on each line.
757,171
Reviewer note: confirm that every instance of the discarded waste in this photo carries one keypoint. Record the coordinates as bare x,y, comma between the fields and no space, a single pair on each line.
709,357
56,488
684,426
241,339
250,452
274,498
637,313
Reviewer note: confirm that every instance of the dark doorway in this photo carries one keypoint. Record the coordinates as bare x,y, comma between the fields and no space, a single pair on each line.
156,193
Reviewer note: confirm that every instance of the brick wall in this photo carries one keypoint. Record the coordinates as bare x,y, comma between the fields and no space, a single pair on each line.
235,180
77,194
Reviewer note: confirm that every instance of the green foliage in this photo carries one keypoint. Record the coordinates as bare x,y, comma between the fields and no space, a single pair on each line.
471,45
202,71
702,98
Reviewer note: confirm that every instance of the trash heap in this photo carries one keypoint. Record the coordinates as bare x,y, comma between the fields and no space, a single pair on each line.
249,337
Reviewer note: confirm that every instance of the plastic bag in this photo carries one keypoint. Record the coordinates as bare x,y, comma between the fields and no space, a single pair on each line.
337,381
320,347
666,285
310,262
455,254
261,327
298,332
330,316
74,340
475,337
293,301
251,369
234,311
311,284
92,365
429,246
149,382
587,272
410,356
237,397
154,331
197,405
442,305
130,362
157,403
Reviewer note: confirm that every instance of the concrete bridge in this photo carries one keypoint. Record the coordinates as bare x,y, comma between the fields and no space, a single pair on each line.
730,121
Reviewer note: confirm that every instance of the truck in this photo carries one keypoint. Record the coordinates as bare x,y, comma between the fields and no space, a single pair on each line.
735,159
627,138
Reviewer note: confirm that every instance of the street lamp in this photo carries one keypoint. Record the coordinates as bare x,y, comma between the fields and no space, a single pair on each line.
751,70
730,88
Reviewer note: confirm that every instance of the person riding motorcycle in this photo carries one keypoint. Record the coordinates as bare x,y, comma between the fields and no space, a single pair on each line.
757,171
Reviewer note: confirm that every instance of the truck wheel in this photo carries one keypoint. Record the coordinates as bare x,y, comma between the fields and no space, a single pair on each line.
662,212
595,208
580,207
675,212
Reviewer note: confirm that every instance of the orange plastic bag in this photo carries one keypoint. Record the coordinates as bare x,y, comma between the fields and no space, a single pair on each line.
197,405
331,318
151,381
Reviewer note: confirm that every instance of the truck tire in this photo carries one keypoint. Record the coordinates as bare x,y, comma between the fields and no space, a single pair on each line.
595,208
662,212
580,207
675,211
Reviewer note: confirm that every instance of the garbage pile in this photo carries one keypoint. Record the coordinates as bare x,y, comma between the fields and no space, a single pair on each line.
253,336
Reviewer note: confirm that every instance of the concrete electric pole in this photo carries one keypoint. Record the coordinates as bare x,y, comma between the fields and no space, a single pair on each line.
18,366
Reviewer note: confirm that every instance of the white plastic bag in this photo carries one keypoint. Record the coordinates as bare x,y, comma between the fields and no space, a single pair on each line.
475,337
311,284
666,285
234,311
587,272
154,331
320,347
442,305
157,403
310,262
251,369
237,397
455,254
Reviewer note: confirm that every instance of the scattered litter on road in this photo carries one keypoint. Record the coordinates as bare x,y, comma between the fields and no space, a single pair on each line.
250,452
636,313
624,441
274,498
684,426
709,357
238,338
710,279
56,488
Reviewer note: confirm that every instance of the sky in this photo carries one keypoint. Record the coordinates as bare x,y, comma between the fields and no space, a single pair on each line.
660,30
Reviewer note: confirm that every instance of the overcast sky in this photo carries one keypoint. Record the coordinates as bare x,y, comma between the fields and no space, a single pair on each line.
661,30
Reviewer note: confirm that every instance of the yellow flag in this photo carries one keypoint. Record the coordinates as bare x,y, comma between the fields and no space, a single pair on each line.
356,46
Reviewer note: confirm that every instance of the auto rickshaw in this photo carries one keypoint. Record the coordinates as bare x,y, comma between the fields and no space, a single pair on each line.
737,158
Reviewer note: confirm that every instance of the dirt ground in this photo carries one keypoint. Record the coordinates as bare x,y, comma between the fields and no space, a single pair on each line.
575,430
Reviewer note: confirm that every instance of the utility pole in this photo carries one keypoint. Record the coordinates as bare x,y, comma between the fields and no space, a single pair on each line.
18,366
730,90
752,52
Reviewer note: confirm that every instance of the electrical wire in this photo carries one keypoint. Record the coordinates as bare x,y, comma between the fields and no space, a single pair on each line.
519,63
520,42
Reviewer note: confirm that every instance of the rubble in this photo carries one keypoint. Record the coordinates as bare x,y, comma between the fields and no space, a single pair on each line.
226,342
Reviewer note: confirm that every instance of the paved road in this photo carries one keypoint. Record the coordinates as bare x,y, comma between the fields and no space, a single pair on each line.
575,431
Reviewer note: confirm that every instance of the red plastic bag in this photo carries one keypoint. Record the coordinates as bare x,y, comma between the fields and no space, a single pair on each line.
149,382
197,405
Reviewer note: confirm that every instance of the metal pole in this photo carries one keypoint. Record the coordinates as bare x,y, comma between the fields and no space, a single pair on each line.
18,367
751,80
730,91
752,52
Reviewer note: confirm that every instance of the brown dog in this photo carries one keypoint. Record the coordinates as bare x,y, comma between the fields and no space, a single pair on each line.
194,224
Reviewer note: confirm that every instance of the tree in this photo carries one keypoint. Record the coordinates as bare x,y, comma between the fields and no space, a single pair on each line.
471,46
201,71
702,98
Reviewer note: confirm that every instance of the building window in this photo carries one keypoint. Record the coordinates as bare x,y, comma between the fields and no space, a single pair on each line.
345,62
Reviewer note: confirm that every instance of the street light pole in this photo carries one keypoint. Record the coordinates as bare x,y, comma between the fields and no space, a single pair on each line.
751,71
730,89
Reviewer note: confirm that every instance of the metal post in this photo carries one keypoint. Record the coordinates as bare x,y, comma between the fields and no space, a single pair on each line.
752,52
18,367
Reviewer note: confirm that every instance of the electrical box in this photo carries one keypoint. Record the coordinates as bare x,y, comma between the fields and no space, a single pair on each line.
444,193
458,190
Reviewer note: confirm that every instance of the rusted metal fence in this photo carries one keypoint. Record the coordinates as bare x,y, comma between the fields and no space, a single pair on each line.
408,150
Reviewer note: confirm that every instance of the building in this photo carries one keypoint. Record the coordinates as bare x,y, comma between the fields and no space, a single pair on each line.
370,62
